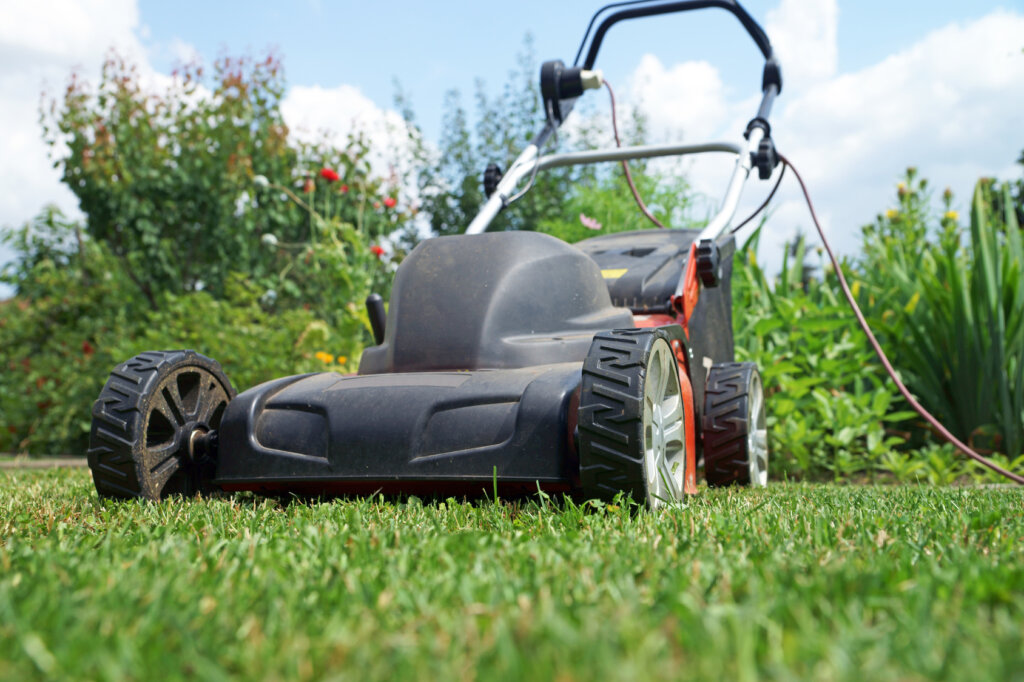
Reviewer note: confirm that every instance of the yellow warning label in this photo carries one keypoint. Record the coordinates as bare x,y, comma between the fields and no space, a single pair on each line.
613,274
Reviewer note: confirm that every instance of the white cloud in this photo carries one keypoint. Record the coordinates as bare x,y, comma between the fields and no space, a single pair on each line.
40,44
314,113
803,35
948,104
62,33
687,97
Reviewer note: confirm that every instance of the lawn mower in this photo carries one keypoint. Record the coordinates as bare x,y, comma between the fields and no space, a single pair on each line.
507,363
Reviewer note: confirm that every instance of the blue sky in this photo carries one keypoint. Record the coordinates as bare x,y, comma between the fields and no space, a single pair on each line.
870,86
434,47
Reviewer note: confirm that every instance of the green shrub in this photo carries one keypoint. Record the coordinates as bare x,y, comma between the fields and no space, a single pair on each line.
80,315
830,407
605,201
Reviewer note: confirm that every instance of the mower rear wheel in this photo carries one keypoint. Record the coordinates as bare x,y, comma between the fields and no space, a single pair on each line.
154,425
631,418
734,431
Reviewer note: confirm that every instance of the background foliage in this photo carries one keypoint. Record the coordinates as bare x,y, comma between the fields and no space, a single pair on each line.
208,226
951,305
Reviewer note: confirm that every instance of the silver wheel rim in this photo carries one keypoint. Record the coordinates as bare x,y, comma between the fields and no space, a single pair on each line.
664,436
757,436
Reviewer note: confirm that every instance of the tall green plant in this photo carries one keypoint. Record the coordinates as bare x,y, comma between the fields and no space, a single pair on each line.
952,309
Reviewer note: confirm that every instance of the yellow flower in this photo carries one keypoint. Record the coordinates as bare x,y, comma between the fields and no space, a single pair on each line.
323,357
891,214
342,359
951,215
912,303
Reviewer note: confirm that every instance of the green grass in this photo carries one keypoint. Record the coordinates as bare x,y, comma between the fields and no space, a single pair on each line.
792,582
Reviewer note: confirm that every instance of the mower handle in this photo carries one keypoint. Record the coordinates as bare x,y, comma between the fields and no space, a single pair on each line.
772,71
759,150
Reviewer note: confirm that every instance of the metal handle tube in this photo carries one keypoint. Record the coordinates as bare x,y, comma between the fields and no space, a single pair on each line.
767,100
740,173
721,220
521,167
639,152
524,165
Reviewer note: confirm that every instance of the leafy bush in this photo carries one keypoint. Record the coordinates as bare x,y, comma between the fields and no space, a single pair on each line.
191,185
165,179
829,403
605,202
81,315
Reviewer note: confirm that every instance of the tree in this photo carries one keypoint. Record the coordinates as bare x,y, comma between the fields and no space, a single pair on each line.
165,179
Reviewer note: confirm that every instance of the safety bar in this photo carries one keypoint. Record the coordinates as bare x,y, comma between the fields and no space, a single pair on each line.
528,164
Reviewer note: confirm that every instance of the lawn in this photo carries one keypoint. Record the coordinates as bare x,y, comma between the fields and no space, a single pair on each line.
793,582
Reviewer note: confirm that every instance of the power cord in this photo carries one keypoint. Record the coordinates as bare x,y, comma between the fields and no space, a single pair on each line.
625,166
764,204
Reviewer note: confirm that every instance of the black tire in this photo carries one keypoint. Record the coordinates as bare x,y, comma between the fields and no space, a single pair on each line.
733,429
625,444
154,423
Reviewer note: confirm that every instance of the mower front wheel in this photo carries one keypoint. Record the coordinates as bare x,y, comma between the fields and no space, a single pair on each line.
154,425
734,431
631,418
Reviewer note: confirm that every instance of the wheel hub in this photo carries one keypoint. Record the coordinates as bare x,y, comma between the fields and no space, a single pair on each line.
663,428
757,436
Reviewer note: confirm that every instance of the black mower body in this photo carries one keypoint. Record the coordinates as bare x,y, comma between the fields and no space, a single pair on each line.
477,379
481,358
366,433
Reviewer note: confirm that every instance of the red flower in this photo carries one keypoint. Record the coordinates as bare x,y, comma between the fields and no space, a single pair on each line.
376,204
377,250
390,202
329,174
343,189
87,349
307,186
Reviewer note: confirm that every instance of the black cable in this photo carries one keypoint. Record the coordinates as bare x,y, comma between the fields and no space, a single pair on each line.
763,205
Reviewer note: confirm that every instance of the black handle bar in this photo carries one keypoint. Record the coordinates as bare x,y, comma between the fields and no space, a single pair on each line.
643,8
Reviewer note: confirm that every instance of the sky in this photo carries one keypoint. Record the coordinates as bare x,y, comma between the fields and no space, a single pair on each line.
869,87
